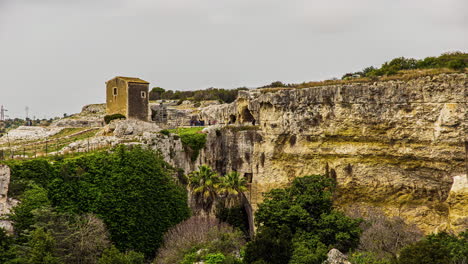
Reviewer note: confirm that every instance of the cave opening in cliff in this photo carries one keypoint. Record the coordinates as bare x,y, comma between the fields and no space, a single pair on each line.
232,119
247,117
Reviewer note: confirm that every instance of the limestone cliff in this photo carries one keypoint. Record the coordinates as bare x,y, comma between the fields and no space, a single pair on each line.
395,144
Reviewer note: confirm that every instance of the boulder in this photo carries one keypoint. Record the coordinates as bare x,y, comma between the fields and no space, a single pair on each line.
336,257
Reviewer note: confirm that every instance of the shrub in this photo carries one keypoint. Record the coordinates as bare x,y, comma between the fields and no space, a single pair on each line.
216,258
109,118
441,248
208,233
457,64
165,132
114,256
367,258
384,236
273,246
194,142
235,216
33,198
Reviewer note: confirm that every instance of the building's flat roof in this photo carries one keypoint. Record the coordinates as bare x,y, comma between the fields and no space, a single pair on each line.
130,79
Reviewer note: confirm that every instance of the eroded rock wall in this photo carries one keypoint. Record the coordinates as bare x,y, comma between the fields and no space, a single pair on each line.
397,144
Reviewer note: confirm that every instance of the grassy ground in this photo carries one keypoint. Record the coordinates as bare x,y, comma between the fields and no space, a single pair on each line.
51,144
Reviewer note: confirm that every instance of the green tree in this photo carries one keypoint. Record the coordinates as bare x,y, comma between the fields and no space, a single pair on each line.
457,64
232,186
6,242
156,93
22,217
273,246
114,256
441,248
40,248
204,185
305,209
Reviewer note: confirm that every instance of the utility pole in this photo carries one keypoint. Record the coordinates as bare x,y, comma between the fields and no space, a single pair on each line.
2,113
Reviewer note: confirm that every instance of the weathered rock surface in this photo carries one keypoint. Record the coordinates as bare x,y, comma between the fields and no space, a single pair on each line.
132,127
90,116
5,203
335,256
30,133
90,144
396,144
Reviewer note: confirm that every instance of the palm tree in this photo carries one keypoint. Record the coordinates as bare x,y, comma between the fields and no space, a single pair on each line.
232,187
204,184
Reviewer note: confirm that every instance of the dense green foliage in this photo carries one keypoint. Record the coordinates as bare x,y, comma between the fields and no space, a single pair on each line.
131,190
109,118
440,248
223,95
452,60
300,225
235,216
113,256
23,173
192,139
195,142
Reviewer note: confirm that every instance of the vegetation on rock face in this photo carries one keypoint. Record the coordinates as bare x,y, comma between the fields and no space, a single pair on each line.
299,225
222,95
109,118
192,139
131,190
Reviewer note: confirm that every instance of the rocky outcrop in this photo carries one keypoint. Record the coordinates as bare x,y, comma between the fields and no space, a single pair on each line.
5,203
90,116
92,143
335,256
29,133
458,204
131,127
395,144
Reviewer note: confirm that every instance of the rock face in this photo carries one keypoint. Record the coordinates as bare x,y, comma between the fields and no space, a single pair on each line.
396,144
335,256
30,133
5,203
132,127
91,116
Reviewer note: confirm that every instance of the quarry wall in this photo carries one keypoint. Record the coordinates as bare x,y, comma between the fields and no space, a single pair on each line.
398,145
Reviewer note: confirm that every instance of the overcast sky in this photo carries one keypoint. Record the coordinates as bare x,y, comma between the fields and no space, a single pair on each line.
55,55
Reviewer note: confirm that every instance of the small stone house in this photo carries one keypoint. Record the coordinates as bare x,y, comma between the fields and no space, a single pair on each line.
127,96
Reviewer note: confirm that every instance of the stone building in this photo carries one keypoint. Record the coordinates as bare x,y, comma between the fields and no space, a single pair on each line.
127,96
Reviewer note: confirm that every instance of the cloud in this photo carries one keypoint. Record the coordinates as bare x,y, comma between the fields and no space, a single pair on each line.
60,48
